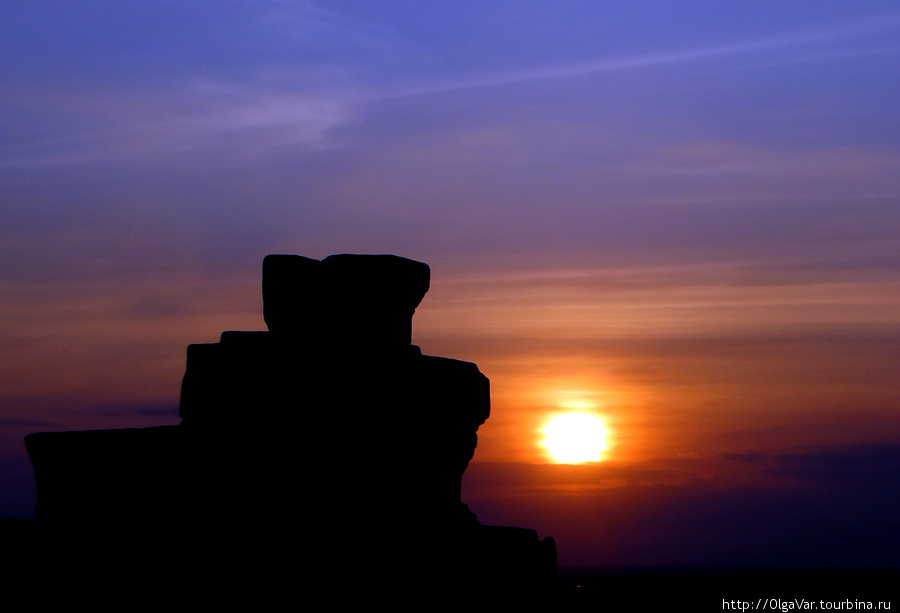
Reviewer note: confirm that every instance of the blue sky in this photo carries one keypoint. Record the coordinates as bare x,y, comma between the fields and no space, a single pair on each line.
529,119
686,209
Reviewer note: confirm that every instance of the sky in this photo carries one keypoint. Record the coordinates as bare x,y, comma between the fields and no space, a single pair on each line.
680,216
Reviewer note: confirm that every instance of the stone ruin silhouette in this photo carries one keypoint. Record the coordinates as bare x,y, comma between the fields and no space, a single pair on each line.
329,439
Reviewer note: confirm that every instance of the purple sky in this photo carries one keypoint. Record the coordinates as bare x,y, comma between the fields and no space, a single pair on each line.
684,214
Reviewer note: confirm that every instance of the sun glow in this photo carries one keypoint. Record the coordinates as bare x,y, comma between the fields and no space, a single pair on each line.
573,438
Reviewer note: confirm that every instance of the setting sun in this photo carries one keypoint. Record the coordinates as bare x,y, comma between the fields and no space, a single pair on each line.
574,438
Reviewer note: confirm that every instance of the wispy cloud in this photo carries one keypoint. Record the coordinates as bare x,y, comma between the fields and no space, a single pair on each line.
797,40
239,118
222,121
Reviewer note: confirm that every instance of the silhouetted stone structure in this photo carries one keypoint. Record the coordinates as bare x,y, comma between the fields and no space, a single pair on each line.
330,437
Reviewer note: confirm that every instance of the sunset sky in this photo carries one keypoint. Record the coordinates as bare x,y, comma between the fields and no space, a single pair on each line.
682,217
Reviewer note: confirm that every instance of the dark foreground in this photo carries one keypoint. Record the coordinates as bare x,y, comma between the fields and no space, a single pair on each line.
40,569
740,589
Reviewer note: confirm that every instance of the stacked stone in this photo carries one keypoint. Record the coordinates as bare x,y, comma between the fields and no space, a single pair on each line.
333,404
329,434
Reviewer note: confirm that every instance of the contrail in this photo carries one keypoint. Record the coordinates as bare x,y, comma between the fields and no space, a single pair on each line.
602,65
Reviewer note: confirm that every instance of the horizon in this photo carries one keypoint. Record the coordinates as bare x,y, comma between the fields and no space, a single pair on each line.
681,218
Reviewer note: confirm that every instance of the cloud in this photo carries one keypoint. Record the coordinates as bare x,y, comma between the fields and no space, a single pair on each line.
801,39
200,122
853,464
841,512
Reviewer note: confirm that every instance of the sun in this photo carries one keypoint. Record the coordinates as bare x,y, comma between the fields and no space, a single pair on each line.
573,438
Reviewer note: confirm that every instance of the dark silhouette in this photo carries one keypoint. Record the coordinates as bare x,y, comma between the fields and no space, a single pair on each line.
327,451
